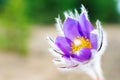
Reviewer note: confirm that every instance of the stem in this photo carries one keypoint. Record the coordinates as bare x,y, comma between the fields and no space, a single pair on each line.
95,70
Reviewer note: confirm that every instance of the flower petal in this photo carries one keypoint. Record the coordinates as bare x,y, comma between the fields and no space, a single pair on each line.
94,40
71,28
64,45
85,24
83,55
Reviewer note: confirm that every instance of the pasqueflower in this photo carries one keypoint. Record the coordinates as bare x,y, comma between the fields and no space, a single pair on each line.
80,45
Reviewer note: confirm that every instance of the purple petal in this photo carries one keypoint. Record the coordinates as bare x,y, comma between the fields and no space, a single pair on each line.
94,40
64,45
71,28
85,25
83,55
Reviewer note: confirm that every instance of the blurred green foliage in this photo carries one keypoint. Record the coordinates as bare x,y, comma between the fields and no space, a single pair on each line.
14,26
44,11
17,15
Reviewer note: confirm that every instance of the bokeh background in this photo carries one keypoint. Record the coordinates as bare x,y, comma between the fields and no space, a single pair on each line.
24,25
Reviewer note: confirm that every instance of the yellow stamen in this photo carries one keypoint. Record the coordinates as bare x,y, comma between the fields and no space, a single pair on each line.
80,42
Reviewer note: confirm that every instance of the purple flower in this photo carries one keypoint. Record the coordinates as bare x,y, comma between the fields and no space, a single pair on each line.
80,44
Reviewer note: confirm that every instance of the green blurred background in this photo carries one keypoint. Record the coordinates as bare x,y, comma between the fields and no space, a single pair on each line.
44,11
16,16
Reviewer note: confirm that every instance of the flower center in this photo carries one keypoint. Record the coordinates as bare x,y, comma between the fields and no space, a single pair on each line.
80,42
